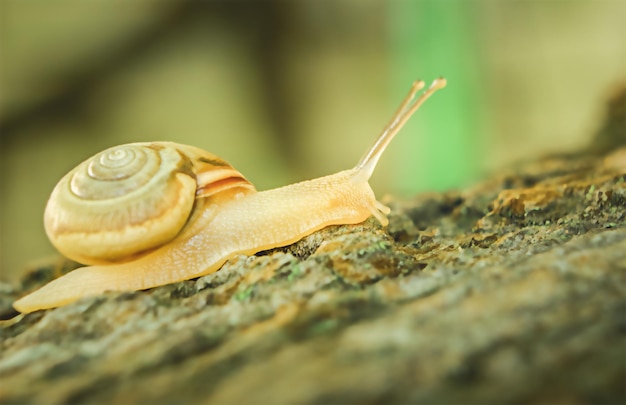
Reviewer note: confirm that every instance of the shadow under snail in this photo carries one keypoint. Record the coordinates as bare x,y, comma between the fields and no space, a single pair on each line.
149,214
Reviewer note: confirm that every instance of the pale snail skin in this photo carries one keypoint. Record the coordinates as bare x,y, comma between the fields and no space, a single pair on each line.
223,218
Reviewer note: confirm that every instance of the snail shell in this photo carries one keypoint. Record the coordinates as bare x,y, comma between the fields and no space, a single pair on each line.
130,199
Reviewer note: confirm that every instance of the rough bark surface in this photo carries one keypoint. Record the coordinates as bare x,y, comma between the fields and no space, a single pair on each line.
510,291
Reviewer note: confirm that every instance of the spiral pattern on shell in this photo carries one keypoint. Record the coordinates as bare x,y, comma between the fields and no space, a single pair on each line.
121,203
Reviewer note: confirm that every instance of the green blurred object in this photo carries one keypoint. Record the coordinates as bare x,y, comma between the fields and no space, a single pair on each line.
442,146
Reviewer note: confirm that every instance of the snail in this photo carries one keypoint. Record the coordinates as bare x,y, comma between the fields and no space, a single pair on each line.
149,214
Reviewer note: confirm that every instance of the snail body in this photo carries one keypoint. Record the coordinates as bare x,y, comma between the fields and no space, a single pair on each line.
224,217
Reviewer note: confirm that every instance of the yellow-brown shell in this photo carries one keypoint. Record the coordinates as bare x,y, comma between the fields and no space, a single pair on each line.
130,199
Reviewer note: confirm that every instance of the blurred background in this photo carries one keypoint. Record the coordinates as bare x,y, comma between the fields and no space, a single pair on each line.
290,90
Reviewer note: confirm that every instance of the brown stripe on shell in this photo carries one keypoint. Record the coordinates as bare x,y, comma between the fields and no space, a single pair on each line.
213,162
235,184
184,166
217,180
155,146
